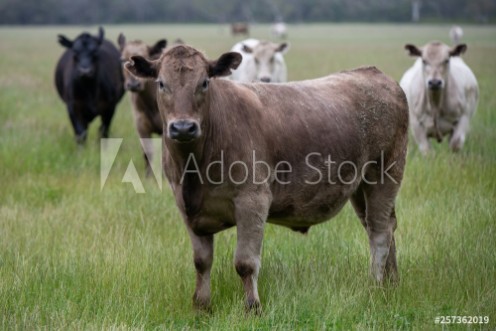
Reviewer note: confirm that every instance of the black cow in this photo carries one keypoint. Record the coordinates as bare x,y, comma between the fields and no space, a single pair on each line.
89,79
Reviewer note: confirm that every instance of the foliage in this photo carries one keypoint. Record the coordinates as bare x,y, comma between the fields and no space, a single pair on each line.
218,11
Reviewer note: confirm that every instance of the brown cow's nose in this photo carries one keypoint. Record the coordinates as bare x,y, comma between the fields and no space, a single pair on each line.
183,130
265,79
435,84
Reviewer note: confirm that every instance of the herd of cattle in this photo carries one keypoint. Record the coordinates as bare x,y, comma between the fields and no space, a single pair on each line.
238,110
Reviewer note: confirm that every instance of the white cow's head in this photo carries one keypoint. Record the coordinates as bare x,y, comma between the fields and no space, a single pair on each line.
435,62
265,59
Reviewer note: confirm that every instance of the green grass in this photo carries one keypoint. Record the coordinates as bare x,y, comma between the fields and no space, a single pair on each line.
75,257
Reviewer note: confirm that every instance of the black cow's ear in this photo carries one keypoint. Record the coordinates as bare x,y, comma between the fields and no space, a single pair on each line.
101,35
413,50
157,48
64,41
141,67
121,40
223,65
458,50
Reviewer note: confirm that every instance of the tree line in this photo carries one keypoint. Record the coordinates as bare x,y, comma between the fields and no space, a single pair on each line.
226,11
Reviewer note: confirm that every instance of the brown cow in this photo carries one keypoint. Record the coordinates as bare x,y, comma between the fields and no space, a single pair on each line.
291,154
143,94
240,28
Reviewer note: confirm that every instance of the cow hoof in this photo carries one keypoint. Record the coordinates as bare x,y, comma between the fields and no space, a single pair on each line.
456,145
81,138
202,304
254,307
103,131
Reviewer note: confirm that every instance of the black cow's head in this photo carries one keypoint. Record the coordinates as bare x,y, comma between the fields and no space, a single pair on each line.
85,52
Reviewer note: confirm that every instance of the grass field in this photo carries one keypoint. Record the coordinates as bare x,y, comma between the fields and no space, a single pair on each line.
75,257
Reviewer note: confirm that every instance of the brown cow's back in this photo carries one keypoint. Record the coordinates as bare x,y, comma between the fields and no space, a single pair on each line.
334,116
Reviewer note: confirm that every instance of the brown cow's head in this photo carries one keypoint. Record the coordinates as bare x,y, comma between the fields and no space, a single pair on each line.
435,62
85,52
264,57
182,75
137,48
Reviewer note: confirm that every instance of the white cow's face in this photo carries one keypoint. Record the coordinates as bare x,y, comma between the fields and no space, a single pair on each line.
435,62
265,61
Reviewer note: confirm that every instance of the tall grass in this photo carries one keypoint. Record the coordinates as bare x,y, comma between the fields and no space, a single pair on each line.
75,257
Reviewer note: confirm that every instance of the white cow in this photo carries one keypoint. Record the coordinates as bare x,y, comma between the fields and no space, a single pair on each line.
456,34
442,94
262,61
279,30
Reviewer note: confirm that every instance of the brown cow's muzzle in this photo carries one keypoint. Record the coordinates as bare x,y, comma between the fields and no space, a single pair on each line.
183,130
134,86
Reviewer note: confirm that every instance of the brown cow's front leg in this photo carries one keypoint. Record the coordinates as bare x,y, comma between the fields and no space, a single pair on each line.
203,255
251,214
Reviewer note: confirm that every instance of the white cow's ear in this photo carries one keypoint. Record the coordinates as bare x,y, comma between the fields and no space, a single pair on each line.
413,50
282,48
223,65
458,50
247,49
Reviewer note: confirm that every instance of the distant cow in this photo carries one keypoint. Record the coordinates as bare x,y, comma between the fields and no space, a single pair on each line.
240,29
247,154
143,94
89,79
456,34
263,61
279,30
442,94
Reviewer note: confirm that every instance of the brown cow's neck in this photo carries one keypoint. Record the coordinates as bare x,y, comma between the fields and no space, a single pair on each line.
186,160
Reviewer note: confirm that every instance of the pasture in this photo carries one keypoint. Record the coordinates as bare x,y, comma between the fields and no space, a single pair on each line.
73,256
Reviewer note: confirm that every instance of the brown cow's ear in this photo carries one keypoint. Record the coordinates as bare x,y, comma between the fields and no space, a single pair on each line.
157,48
121,40
283,48
458,50
64,41
141,67
413,50
223,65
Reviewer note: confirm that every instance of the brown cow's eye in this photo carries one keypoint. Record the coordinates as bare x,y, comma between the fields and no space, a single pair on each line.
205,84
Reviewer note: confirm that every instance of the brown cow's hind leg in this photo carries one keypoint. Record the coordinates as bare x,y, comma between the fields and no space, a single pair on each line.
374,206
251,214
380,226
